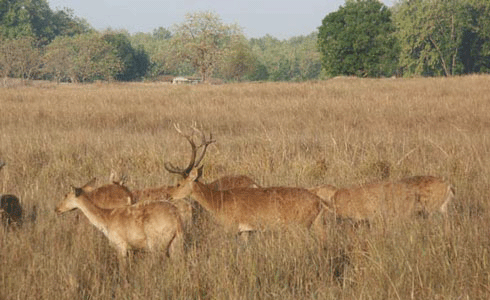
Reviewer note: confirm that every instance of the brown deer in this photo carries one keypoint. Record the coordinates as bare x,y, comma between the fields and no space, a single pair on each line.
165,192
152,225
109,195
325,192
11,211
248,209
417,195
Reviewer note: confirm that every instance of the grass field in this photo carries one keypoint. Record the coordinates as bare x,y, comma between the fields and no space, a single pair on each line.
289,134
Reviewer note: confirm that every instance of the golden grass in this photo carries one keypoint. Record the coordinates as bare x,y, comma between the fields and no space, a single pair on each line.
294,134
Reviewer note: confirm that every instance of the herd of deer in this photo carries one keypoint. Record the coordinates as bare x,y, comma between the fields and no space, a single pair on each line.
154,219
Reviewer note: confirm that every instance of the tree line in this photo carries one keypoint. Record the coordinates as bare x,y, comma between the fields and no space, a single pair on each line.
362,38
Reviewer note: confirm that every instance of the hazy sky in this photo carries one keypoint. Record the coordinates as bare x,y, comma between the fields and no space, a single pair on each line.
279,18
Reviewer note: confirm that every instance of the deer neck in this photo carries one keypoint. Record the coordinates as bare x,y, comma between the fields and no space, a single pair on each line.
96,215
206,196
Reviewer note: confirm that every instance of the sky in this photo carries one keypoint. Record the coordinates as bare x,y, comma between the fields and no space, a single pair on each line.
281,19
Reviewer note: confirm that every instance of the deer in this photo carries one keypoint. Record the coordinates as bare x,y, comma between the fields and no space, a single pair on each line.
111,195
165,192
107,196
150,225
325,192
11,211
247,209
404,198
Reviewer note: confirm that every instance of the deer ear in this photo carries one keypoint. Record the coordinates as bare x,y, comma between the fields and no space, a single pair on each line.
195,174
89,186
199,172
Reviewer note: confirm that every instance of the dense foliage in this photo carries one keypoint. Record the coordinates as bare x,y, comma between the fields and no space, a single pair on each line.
34,18
362,38
443,37
358,40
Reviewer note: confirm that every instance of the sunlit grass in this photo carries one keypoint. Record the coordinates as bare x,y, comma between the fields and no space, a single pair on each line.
291,134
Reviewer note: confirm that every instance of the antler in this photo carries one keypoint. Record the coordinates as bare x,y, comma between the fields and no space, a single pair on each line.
204,143
193,162
184,172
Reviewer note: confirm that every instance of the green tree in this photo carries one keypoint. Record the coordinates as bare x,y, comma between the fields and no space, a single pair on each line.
20,58
474,51
162,33
135,61
430,35
81,58
201,40
238,61
160,52
358,39
20,18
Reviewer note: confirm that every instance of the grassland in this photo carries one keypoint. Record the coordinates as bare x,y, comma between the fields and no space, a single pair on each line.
290,134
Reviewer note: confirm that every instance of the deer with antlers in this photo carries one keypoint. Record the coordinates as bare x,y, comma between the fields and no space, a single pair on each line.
165,192
247,209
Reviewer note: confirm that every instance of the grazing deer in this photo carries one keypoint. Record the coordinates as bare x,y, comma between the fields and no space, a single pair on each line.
10,209
248,209
148,225
393,199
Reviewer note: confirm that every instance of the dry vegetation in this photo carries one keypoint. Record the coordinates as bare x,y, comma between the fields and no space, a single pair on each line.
304,134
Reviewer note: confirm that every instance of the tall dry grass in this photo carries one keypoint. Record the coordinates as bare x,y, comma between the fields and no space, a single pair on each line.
292,134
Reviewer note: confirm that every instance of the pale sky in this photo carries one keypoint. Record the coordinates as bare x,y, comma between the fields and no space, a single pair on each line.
279,18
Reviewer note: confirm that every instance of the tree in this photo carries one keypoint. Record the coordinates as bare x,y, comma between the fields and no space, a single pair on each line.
430,33
202,39
20,58
34,18
358,40
81,58
295,59
161,55
474,51
238,61
161,33
135,61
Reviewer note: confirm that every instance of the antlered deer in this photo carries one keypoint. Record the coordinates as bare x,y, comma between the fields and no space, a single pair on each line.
148,225
249,209
185,208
